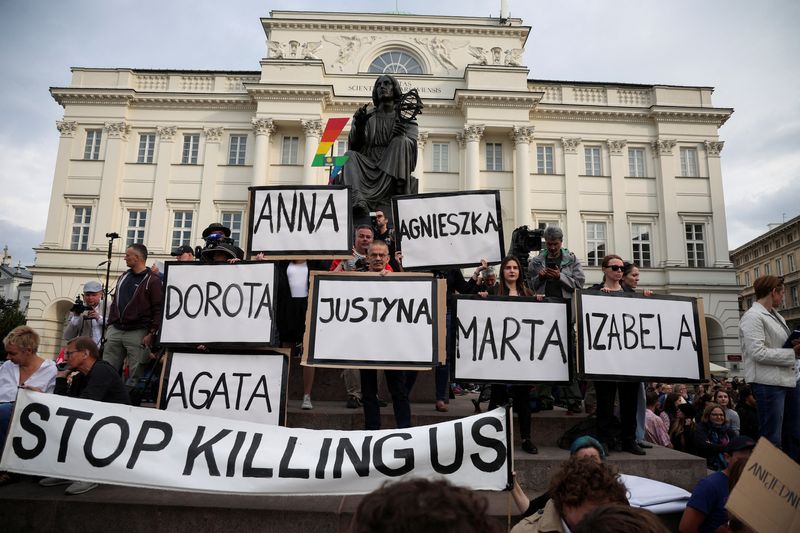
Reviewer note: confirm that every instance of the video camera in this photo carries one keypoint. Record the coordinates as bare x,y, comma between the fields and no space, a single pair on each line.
523,242
79,307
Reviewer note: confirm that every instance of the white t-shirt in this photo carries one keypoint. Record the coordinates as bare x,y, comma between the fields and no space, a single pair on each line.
44,378
297,273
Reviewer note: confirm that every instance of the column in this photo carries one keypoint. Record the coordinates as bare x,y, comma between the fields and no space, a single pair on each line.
574,229
720,225
473,134
670,230
462,161
313,132
419,171
522,136
108,215
621,242
206,214
56,215
159,213
263,128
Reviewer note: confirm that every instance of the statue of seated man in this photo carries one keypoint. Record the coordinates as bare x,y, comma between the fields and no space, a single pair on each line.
382,151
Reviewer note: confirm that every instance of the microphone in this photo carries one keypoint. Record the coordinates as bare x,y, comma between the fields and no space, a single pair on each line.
101,264
112,235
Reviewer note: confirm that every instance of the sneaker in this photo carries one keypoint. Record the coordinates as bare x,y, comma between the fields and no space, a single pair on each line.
306,402
79,487
54,481
352,402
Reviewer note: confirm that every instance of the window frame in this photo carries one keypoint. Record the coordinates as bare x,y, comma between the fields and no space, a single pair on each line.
494,156
191,149
81,229
236,233
91,148
542,159
590,162
637,168
292,157
637,257
792,265
140,228
440,162
178,233
237,155
597,260
692,244
690,166
147,148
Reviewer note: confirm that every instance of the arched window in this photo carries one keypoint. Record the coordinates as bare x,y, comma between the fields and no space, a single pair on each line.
395,62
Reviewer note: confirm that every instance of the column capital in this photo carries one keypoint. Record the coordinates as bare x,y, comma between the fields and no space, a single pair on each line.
570,144
67,128
213,135
615,146
312,128
713,148
664,146
117,130
522,134
422,139
473,132
166,133
263,126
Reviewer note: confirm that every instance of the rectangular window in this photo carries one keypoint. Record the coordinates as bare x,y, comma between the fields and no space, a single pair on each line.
747,279
92,149
441,157
689,166
767,269
738,280
494,156
237,149
182,228
749,303
191,144
544,159
757,272
233,220
592,156
595,242
641,244
289,150
790,260
136,222
80,228
147,147
341,147
795,298
695,245
636,166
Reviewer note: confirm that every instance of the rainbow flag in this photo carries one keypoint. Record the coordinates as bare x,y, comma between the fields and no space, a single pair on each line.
333,128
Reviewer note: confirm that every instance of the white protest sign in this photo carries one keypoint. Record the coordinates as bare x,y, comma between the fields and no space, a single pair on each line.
633,337
111,443
365,319
308,221
237,386
218,303
449,230
505,339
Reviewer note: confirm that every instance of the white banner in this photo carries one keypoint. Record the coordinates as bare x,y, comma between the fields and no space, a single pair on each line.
511,340
365,319
236,386
634,337
308,221
118,444
449,230
218,303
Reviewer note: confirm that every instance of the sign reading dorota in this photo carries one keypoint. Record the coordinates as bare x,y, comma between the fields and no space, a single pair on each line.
218,303
449,230
637,337
366,320
309,221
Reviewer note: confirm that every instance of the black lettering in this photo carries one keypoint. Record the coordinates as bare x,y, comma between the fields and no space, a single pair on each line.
319,472
551,341
124,433
388,305
140,445
491,222
360,308
173,391
248,470
375,301
533,324
661,344
210,299
452,219
644,331
506,341
686,332
360,464
72,415
604,318
488,442
426,229
423,310
407,454
37,432
404,233
204,391
441,219
464,222
328,301
613,331
341,317
474,219
488,338
230,469
262,384
222,385
266,301
282,208
472,330
266,207
329,213
241,377
304,213
434,444
170,291
284,470
627,329
186,300
206,448
225,306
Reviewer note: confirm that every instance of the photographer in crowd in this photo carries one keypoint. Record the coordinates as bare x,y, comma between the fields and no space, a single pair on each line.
86,316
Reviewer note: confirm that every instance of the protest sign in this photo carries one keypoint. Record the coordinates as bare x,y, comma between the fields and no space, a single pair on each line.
366,320
237,386
767,496
218,303
312,222
631,337
449,230
112,443
512,340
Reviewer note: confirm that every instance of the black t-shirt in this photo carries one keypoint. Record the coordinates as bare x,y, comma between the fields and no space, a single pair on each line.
102,384
127,288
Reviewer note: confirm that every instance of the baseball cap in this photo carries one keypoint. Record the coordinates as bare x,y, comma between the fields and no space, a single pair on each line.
180,250
92,286
741,442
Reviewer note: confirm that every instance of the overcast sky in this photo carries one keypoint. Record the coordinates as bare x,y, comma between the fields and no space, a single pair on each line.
747,50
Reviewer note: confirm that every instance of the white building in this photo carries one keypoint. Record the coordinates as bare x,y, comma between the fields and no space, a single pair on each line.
158,155
15,281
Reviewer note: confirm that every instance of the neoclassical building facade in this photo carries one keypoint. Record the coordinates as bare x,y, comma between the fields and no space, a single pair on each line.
158,155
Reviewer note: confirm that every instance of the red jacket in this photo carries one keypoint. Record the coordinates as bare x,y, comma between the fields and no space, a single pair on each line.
145,307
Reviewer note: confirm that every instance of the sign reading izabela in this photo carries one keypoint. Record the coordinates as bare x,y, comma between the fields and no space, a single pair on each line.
509,339
633,337
369,320
237,386
111,443
310,221
449,230
218,303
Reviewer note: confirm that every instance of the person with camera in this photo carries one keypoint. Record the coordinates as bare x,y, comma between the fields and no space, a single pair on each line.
86,316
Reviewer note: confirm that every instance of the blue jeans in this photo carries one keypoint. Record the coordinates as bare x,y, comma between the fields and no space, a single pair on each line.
779,416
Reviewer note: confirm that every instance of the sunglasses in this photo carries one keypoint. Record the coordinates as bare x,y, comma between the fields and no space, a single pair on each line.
615,268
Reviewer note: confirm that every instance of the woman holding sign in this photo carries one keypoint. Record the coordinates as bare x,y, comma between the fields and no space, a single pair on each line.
511,284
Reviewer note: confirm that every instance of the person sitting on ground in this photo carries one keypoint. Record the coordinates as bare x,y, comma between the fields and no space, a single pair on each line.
711,436
423,506
620,519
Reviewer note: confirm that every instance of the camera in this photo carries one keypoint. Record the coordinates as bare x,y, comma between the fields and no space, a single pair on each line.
79,307
61,366
524,241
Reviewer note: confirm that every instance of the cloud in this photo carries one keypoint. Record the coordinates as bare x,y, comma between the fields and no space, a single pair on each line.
19,241
26,174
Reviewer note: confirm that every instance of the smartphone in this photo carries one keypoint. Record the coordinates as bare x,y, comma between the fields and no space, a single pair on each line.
552,265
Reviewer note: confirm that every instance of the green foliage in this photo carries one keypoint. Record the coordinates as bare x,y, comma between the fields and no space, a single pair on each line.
10,317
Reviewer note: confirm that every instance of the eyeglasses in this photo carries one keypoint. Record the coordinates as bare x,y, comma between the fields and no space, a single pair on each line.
615,268
379,255
69,353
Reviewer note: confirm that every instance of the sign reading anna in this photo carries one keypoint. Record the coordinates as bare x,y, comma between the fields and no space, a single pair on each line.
112,443
310,221
218,303
449,230
635,337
